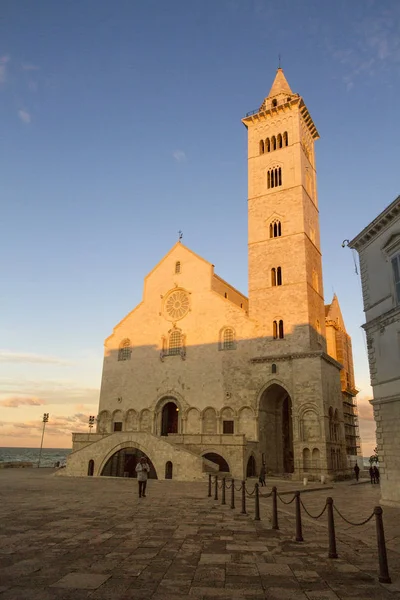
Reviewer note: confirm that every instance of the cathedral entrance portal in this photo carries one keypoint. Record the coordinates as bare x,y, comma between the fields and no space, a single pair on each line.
275,432
169,418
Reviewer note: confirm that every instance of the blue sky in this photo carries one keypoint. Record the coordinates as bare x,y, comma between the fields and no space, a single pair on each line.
120,125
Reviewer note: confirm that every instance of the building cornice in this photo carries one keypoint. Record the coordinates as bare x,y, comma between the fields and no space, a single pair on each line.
293,356
382,221
391,316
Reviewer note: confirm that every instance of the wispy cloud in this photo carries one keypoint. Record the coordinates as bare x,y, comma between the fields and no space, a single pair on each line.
29,67
24,116
179,156
57,425
51,391
24,357
15,401
3,68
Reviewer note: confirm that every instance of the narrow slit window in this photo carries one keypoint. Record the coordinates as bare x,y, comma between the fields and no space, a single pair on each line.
177,267
279,276
261,146
273,277
281,332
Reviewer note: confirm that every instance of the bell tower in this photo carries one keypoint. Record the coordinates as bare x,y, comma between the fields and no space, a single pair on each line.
285,267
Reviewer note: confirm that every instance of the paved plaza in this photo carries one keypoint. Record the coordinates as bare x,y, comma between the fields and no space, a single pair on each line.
64,538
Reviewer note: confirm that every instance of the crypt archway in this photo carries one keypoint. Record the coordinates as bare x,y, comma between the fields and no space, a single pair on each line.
275,429
123,464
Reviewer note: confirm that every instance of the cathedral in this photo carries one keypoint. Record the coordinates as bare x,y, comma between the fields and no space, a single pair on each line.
200,378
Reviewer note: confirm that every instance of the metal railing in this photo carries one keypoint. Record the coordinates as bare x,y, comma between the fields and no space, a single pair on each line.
329,507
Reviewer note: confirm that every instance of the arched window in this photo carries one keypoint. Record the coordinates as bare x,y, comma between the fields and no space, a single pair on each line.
228,342
274,103
91,468
267,145
285,139
275,329
168,470
175,342
273,277
280,328
275,229
273,368
279,141
279,276
261,146
274,177
177,267
125,350
273,143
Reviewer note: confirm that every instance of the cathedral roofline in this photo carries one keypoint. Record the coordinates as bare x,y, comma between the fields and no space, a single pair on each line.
369,232
178,244
230,286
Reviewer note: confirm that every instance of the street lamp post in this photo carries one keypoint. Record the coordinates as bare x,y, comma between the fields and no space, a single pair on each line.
45,419
91,423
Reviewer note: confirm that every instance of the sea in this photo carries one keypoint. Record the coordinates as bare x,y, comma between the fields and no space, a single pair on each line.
49,457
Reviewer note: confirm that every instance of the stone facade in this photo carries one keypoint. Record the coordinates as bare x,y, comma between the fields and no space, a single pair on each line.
339,347
199,369
378,246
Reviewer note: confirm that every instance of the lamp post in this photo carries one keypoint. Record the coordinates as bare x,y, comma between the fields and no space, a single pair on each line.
45,419
91,423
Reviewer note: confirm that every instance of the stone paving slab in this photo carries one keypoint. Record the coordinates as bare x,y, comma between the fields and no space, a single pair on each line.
93,538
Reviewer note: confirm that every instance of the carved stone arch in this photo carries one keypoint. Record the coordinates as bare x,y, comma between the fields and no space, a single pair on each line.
310,429
216,452
104,421
118,416
307,406
131,420
228,412
120,446
145,420
209,421
167,396
247,422
193,420
271,382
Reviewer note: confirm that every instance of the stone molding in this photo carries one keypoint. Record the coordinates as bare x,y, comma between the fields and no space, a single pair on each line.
381,223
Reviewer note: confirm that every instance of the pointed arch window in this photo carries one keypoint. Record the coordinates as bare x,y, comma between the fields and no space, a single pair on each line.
175,342
275,229
274,177
278,332
262,147
267,145
274,103
228,339
273,143
273,368
279,276
273,277
177,267
285,139
125,350
279,141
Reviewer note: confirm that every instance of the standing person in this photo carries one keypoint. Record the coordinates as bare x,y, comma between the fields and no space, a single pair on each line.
372,474
263,472
357,471
376,474
142,470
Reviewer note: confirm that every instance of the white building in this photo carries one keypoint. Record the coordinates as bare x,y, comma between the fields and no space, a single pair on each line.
379,248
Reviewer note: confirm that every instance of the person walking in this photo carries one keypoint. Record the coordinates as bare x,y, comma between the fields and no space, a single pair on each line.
372,474
376,474
142,470
263,473
357,471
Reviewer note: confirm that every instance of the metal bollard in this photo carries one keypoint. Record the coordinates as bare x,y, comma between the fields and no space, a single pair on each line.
299,532
331,529
384,576
223,491
257,504
233,494
216,488
243,511
275,508
209,485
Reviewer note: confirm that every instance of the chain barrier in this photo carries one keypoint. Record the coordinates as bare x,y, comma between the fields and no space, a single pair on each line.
238,489
283,501
249,494
312,516
350,522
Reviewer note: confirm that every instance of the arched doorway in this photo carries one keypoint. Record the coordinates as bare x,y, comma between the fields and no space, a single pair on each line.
169,418
123,464
168,470
90,470
218,460
251,467
276,429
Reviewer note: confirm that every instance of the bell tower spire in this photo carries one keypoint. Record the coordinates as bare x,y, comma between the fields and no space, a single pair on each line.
285,268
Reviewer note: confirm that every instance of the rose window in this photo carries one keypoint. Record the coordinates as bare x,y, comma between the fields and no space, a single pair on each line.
177,305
